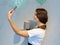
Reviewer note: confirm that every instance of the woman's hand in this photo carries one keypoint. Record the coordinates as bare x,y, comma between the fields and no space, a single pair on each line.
10,13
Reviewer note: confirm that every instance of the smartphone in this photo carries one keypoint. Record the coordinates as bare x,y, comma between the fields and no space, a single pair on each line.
14,7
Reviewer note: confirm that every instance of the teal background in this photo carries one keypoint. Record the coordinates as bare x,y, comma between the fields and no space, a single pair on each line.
19,3
7,35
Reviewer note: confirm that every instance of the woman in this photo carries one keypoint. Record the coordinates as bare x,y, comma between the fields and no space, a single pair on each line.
36,35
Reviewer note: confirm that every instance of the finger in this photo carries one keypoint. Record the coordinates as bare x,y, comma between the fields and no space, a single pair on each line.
11,11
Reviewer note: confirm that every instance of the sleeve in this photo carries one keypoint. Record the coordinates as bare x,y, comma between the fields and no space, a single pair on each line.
31,32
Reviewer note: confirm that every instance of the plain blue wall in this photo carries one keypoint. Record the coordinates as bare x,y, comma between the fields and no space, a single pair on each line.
7,35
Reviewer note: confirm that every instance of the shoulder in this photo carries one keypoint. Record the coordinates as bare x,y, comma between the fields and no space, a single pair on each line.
36,31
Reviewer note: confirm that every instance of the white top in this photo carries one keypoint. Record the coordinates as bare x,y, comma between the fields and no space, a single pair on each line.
36,36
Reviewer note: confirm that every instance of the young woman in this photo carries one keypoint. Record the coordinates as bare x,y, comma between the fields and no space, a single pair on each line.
36,35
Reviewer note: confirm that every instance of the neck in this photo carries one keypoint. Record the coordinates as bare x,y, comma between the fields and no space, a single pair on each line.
41,25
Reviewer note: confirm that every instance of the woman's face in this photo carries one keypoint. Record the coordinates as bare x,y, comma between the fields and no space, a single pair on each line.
35,18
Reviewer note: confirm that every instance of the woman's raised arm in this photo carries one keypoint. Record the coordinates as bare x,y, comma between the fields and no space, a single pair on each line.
14,26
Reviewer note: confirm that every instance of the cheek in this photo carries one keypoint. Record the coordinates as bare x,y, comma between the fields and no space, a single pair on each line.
35,18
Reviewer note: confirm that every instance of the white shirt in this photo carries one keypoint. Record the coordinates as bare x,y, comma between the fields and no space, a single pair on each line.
36,36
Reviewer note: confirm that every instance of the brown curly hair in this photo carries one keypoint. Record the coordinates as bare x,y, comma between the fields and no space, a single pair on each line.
42,15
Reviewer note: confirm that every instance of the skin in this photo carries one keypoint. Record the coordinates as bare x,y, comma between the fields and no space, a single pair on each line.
16,29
